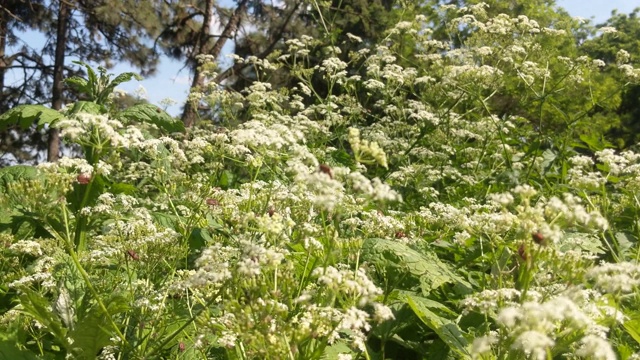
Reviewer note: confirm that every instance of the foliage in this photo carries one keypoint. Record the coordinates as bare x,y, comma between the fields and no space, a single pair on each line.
617,43
383,207
97,31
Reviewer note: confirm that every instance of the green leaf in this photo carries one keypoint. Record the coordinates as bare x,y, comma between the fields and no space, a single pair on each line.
153,114
594,142
88,107
12,174
79,84
548,157
198,239
9,350
93,330
446,329
332,351
124,77
632,327
122,188
581,241
86,86
625,242
401,262
343,158
226,179
25,115
165,219
39,308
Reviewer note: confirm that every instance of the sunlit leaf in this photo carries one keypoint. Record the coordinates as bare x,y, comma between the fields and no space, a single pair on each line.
26,115
152,114
446,329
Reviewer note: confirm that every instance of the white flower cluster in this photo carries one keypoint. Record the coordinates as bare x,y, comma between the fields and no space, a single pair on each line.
354,284
213,267
535,327
92,129
26,247
616,278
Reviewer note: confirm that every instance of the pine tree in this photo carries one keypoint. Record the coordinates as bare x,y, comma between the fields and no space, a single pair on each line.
98,31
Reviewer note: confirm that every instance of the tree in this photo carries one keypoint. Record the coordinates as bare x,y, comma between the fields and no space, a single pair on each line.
625,129
101,31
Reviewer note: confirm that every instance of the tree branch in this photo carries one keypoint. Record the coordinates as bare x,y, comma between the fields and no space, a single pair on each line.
239,67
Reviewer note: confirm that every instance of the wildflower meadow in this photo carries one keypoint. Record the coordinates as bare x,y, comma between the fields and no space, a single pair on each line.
382,206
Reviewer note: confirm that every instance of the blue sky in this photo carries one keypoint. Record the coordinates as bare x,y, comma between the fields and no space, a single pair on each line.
172,81
599,9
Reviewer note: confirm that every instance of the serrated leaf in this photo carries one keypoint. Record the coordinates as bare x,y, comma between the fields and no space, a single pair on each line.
625,242
548,157
39,309
78,83
446,329
93,330
333,351
88,107
581,241
164,219
153,114
122,78
65,308
25,115
125,77
401,261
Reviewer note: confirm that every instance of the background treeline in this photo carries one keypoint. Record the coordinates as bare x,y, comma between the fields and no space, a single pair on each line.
140,32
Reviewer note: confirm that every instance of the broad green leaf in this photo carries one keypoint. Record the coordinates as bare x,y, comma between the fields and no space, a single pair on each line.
625,241
93,329
165,219
227,179
332,351
88,107
122,188
122,78
581,241
633,328
548,157
71,281
39,308
198,239
78,83
25,115
153,114
446,329
65,308
400,261
9,350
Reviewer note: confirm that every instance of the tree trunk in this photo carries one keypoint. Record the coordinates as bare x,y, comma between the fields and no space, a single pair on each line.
190,113
58,67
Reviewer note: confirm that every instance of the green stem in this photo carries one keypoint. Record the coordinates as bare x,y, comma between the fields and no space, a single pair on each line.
184,326
85,276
